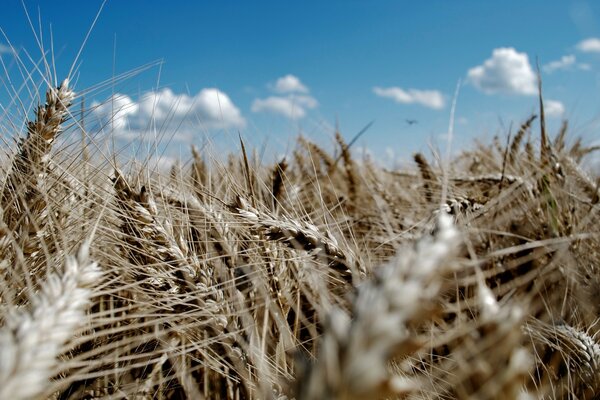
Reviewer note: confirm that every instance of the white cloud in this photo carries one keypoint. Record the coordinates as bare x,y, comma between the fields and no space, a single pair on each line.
169,112
115,110
293,107
428,98
290,84
565,62
294,102
507,71
590,45
553,108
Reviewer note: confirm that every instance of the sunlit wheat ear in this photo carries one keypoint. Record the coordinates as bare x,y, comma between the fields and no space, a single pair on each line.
576,349
147,243
354,354
582,349
489,360
296,235
31,340
21,197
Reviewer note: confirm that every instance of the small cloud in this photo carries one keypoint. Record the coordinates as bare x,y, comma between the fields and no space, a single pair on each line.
292,107
462,121
169,112
590,45
507,71
295,102
565,62
553,108
289,84
428,98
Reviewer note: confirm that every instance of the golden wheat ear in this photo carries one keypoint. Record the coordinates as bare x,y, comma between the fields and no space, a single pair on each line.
22,197
31,341
386,313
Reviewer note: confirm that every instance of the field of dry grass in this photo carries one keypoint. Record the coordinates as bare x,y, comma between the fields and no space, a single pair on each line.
320,277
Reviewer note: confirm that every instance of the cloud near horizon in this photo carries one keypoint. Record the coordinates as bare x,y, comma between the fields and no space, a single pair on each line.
169,112
507,72
428,98
293,103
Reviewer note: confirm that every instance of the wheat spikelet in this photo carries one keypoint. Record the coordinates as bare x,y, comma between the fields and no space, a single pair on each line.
31,341
518,139
21,197
427,175
148,243
559,141
296,235
350,168
569,351
277,185
354,354
318,154
487,360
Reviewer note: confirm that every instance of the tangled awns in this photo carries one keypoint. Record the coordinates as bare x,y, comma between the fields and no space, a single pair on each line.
319,277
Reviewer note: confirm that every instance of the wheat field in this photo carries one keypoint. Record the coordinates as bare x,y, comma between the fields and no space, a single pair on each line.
319,277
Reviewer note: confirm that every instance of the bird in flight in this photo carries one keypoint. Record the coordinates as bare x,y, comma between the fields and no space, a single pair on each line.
412,121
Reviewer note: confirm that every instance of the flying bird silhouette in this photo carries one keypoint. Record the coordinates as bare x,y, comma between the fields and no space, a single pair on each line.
412,121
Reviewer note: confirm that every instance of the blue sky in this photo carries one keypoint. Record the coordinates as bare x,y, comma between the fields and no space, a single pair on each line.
273,69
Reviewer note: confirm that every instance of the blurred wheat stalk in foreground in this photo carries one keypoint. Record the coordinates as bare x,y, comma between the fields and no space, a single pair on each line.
319,277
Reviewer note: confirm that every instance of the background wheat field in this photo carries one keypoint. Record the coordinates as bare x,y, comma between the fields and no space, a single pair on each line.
468,274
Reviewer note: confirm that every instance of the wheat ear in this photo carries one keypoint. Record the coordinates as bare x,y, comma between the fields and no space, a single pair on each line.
31,341
350,168
516,143
21,196
427,175
296,235
354,354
